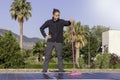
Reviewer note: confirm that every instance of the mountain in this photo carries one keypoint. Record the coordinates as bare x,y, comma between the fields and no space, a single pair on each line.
28,43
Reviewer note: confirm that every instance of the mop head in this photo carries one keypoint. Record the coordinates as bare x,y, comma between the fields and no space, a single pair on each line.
75,73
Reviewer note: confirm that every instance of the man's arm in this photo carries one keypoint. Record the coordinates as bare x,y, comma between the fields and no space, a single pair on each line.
42,29
68,23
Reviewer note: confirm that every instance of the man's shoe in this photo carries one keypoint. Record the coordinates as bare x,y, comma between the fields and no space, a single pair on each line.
44,71
61,71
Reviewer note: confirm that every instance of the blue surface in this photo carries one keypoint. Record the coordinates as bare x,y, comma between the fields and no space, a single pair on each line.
57,76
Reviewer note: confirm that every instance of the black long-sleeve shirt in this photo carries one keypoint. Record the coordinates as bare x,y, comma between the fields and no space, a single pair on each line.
55,29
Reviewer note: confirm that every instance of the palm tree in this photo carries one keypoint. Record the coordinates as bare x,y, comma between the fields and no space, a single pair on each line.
20,10
79,33
39,49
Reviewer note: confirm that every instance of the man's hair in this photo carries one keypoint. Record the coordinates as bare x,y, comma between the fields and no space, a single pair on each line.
55,10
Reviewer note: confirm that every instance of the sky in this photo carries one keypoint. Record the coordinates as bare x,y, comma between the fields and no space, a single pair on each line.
88,12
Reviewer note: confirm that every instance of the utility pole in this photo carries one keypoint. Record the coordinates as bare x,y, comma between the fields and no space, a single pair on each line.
89,55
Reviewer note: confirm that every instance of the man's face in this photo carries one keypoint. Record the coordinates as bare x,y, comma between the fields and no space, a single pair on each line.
56,15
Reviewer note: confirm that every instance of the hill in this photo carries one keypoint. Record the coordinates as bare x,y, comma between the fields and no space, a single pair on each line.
28,43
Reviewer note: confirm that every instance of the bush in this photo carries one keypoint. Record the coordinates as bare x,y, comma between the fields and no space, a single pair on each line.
82,63
68,65
51,65
102,61
1,66
33,65
97,62
106,60
10,54
114,61
117,66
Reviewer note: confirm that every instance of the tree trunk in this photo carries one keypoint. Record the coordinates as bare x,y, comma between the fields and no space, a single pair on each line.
77,46
40,57
77,57
21,35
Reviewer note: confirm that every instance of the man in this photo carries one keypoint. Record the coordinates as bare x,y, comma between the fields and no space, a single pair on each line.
54,38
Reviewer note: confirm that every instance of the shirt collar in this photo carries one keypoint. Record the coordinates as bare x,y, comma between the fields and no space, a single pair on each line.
56,20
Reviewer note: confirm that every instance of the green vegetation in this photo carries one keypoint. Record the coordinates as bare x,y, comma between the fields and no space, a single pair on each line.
106,61
102,61
87,41
82,63
51,65
10,55
114,61
97,31
39,49
20,10
79,33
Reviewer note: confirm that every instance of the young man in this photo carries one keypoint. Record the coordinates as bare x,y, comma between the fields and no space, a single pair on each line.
54,38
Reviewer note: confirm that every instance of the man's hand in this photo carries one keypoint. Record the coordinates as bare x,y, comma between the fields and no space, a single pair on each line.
71,21
48,37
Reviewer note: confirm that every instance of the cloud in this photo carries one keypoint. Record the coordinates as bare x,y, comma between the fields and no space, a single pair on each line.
108,10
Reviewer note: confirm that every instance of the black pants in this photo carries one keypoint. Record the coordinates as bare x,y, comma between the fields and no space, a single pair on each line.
49,48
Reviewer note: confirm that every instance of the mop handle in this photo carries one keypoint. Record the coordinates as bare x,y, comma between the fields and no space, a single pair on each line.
72,41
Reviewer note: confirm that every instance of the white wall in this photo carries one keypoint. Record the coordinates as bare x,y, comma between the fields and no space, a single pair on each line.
105,40
112,38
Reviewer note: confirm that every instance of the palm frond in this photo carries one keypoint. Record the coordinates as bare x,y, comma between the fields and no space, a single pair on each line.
80,34
20,10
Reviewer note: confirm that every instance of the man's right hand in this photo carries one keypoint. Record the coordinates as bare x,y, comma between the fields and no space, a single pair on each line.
71,21
48,37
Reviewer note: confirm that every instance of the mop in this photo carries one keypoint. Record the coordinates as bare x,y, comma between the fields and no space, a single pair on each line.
74,72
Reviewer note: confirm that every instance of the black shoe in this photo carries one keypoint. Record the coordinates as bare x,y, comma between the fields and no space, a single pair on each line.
44,71
62,71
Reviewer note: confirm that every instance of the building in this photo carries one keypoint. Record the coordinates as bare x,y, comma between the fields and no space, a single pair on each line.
111,41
